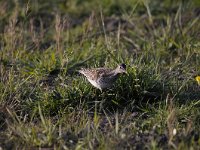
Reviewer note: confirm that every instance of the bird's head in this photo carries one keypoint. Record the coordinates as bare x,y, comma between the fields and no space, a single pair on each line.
121,68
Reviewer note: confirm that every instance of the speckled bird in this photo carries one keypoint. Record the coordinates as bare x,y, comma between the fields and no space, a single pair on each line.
102,78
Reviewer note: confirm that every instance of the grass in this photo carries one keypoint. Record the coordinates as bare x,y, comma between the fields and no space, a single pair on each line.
45,103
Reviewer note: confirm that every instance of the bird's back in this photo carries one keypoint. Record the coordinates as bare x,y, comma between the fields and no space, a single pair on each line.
94,74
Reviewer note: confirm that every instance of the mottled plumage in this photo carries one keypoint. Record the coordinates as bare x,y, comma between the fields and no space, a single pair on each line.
102,78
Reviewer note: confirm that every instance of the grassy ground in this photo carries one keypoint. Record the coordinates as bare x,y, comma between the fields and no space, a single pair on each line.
45,103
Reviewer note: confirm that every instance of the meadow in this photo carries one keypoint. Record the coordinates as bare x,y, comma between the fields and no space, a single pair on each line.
46,104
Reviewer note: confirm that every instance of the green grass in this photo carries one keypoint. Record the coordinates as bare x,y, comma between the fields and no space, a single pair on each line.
45,103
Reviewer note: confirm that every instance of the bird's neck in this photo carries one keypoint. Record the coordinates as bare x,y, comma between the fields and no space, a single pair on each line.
114,72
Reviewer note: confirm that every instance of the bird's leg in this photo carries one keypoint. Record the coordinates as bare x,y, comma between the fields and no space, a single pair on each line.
101,90
103,100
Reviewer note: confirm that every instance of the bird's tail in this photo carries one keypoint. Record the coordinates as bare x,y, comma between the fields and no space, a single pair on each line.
81,71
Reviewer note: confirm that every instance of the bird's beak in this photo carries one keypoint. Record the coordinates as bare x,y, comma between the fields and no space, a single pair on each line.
125,72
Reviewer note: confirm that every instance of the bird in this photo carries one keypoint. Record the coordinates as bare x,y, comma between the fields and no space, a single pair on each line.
103,78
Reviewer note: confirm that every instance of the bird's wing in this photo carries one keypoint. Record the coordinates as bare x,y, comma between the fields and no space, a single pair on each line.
89,73
103,72
95,73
